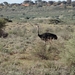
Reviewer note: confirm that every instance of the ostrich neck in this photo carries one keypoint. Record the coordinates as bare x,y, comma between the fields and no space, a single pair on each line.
38,31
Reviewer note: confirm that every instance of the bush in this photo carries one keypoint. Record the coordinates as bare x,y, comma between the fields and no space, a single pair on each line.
47,52
70,51
55,21
2,23
40,51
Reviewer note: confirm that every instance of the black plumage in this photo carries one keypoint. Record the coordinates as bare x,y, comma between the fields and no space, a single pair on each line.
47,36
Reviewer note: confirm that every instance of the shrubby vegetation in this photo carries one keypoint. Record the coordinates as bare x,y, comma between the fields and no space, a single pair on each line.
2,23
24,53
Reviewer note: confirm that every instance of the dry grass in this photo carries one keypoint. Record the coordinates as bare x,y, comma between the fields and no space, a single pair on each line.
24,53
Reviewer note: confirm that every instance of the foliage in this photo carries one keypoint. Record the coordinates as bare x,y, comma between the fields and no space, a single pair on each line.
55,21
2,23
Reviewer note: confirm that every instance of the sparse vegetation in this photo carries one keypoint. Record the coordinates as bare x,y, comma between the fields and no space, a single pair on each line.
55,21
24,53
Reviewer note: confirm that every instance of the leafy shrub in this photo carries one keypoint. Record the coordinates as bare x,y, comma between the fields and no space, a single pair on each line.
2,23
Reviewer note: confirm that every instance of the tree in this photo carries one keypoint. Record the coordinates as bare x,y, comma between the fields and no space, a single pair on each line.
59,2
51,2
64,2
6,3
44,3
28,2
39,3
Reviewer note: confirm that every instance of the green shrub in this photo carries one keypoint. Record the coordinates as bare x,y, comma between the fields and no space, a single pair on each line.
2,23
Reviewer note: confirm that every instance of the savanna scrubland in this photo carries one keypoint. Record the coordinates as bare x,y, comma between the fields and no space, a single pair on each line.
22,52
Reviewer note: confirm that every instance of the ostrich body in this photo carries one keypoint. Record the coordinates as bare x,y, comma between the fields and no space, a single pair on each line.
47,36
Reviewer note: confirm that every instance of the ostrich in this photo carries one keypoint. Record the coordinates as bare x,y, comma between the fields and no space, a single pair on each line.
47,36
